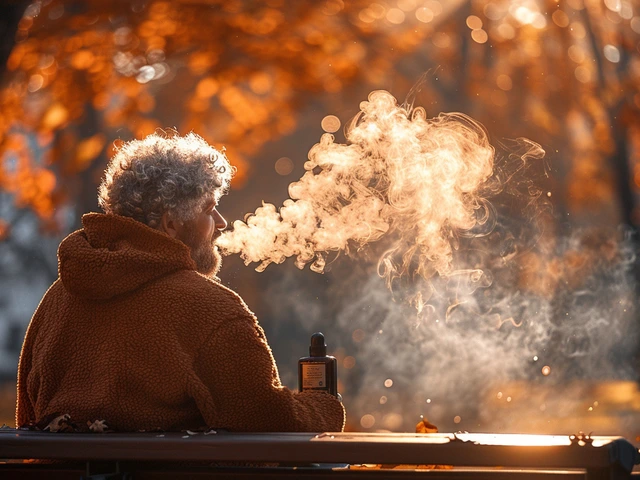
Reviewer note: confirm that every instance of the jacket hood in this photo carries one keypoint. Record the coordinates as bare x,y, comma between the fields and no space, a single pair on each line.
113,255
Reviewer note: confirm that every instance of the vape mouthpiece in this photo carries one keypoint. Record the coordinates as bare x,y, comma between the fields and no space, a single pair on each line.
317,347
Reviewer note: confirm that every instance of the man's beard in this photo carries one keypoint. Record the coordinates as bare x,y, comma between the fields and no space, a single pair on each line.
205,255
207,258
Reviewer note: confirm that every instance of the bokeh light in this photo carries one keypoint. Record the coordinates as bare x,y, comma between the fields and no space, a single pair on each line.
330,123
367,421
284,166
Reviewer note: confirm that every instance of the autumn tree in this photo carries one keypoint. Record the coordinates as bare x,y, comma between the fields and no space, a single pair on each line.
83,74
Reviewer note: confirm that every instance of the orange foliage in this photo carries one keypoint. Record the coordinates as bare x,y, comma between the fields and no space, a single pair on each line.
544,274
238,71
4,230
88,149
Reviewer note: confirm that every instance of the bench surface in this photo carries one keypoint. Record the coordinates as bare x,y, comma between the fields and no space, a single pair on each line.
472,450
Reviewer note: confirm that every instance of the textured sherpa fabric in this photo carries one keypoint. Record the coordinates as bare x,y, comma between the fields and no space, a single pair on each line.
131,334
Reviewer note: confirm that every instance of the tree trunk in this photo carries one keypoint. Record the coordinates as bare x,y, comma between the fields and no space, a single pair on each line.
10,15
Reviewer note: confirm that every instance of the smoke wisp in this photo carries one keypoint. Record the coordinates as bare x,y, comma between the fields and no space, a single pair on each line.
485,295
547,348
419,183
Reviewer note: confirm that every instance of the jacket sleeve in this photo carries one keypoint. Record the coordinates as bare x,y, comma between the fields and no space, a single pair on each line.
237,367
24,408
28,380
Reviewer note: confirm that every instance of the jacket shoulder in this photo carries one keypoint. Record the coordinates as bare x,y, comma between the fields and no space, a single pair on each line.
54,295
195,291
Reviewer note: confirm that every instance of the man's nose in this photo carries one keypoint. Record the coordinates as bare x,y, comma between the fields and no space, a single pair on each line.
220,222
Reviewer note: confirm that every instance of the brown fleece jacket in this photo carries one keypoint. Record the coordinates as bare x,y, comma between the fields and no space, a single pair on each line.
131,334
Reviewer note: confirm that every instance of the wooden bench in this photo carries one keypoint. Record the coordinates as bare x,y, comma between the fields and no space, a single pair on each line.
305,455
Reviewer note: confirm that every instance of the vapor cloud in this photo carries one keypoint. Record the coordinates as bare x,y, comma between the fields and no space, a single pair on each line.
420,183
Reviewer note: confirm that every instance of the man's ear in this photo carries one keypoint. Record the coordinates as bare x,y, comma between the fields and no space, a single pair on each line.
168,225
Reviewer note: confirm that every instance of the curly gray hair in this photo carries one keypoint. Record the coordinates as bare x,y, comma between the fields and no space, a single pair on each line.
158,174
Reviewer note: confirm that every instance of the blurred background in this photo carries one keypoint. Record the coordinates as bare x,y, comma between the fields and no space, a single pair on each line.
266,80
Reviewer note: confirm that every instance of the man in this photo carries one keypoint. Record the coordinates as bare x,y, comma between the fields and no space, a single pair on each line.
137,332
